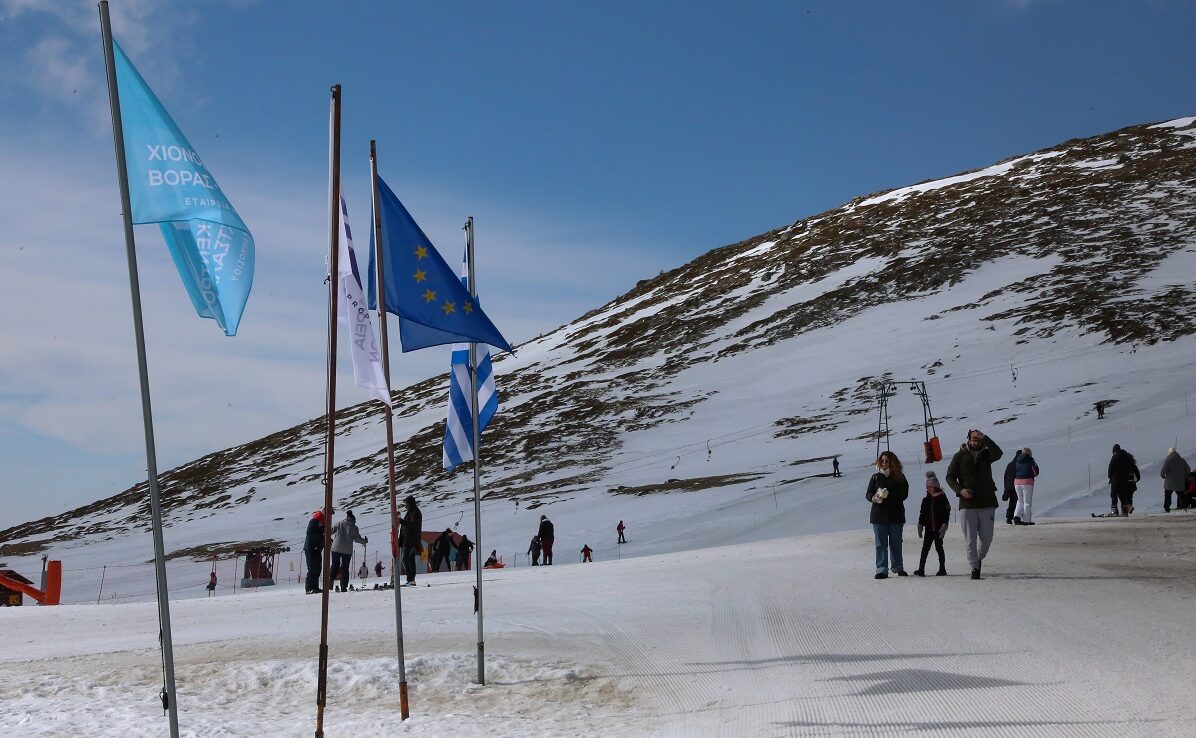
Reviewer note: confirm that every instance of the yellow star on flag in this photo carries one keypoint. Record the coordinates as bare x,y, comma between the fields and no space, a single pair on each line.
429,295
468,308
420,252
420,275
448,307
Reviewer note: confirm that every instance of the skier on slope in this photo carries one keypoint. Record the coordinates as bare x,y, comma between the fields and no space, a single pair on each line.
1123,480
586,554
344,534
313,551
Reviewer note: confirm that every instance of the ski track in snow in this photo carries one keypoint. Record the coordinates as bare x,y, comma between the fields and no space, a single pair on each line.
1076,631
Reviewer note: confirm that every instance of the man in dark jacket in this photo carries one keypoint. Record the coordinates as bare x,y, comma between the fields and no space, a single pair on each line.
441,547
411,537
464,549
546,535
970,475
1123,480
313,551
1010,493
1175,479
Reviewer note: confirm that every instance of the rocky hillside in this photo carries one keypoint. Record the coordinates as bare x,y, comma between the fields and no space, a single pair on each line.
768,349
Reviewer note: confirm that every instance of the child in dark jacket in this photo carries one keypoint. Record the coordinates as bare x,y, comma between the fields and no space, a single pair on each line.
932,524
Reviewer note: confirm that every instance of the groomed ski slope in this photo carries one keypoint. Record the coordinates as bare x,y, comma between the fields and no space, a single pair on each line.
1081,628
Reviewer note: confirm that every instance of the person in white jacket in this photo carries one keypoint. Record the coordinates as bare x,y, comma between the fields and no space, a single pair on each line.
344,534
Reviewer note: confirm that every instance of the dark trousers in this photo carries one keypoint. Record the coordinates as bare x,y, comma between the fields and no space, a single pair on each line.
546,548
927,539
1012,505
409,562
1181,499
314,562
622,539
340,568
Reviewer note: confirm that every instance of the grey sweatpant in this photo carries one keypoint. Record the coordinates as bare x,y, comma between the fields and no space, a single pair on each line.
977,523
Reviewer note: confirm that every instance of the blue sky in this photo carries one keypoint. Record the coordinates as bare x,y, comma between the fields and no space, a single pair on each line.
596,144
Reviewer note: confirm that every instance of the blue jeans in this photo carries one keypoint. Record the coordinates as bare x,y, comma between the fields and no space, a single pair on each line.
888,546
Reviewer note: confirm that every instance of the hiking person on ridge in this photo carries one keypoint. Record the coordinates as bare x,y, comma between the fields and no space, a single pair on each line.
970,475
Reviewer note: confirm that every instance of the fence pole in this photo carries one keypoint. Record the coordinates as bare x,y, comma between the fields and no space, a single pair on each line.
101,594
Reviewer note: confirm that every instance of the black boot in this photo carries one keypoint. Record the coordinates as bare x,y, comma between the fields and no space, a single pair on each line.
919,572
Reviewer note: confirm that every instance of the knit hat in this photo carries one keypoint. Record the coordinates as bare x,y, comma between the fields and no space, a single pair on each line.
932,480
1170,451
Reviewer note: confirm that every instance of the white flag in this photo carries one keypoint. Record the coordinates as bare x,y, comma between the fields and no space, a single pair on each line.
354,316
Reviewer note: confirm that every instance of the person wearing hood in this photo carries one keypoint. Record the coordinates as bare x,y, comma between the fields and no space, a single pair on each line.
970,476
887,490
344,535
932,524
1175,480
464,549
1123,480
313,551
411,541
1025,472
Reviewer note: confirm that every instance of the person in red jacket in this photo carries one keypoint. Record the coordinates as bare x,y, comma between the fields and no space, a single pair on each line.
585,554
932,524
620,527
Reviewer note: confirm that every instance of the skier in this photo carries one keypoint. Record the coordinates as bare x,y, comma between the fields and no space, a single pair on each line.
211,583
464,549
1100,410
410,540
620,527
887,490
585,554
378,569
835,467
932,524
970,475
546,535
441,548
1175,480
1010,493
534,549
1123,481
313,550
1025,472
344,534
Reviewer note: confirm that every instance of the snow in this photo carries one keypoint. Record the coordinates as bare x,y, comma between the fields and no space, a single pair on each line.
992,171
1177,123
1076,630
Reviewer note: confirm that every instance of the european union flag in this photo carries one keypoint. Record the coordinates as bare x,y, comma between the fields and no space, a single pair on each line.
434,308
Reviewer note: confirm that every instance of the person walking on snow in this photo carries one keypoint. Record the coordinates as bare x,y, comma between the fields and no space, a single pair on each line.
410,537
211,583
1010,493
970,475
585,554
441,548
378,569
1123,480
887,490
344,534
1026,471
547,535
464,549
1175,480
932,524
313,551
620,528
533,550
835,467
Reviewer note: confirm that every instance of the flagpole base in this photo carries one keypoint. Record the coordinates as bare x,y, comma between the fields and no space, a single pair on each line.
404,712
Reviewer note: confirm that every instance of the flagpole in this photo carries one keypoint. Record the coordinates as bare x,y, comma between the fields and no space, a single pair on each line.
390,431
334,167
477,452
169,700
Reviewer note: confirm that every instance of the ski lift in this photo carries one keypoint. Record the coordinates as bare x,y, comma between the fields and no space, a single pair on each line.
931,446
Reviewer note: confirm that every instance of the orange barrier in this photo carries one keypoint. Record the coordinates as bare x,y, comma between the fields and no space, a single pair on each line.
53,592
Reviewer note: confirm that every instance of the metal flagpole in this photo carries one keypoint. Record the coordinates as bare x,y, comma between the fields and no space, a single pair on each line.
169,701
334,211
380,285
477,452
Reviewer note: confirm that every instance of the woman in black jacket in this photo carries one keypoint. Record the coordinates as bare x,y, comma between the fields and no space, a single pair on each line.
887,490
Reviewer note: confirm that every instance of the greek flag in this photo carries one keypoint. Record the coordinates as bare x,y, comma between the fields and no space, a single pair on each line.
458,430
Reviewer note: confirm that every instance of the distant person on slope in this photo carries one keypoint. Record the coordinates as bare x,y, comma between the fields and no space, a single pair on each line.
970,475
1123,480
620,528
1010,493
411,529
835,467
211,583
887,490
313,551
378,568
1026,471
586,551
932,524
1175,480
534,549
344,535
547,535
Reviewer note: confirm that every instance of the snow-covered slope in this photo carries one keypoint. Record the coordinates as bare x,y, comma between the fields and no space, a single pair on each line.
703,406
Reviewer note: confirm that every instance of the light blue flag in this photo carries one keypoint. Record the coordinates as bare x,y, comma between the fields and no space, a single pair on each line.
169,185
458,426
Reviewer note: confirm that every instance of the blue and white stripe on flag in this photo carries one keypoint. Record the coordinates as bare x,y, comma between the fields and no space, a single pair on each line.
458,430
